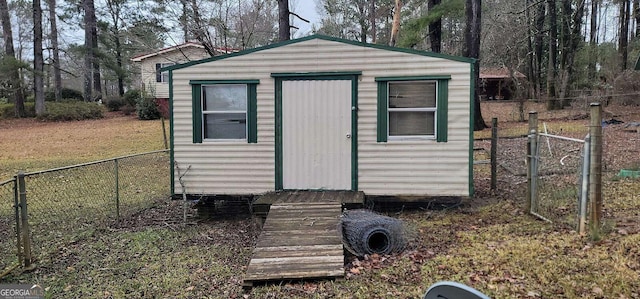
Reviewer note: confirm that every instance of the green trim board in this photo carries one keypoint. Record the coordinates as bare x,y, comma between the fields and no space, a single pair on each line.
413,78
320,37
472,87
354,133
278,132
442,114
196,96
383,113
204,82
252,107
279,78
171,142
314,76
442,103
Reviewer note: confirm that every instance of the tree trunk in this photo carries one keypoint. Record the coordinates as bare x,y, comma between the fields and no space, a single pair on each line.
284,27
88,46
38,60
362,20
530,57
57,77
553,102
10,55
200,31
372,21
593,36
572,38
623,42
539,47
120,69
435,29
473,11
184,20
97,83
636,16
395,27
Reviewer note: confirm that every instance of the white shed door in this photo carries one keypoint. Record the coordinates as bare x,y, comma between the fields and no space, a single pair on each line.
316,134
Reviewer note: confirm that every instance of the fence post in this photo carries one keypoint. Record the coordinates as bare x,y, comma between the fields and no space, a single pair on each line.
117,176
584,190
533,127
494,159
595,172
533,162
16,208
26,232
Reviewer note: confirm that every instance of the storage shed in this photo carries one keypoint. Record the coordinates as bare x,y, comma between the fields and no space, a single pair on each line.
321,113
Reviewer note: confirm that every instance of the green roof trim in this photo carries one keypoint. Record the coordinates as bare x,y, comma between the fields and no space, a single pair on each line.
204,82
314,76
322,37
413,78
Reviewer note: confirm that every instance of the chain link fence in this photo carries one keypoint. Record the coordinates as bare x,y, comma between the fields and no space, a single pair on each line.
66,204
8,239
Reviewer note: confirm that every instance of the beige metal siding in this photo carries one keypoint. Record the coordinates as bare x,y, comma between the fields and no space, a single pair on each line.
316,119
148,68
393,168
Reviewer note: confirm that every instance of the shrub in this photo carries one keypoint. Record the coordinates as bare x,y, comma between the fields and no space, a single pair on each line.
626,86
114,103
7,110
66,93
147,109
66,111
132,97
163,107
127,109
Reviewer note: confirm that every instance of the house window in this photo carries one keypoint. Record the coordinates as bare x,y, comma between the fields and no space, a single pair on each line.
412,108
162,76
224,110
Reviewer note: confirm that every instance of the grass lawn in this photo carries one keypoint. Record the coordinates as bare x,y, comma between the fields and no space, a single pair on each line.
489,242
30,145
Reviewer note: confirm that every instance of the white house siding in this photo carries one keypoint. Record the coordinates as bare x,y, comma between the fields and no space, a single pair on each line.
148,68
422,167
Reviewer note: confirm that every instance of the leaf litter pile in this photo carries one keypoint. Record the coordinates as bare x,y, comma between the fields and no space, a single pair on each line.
489,243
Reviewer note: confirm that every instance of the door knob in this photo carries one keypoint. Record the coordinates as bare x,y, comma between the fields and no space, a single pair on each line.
348,135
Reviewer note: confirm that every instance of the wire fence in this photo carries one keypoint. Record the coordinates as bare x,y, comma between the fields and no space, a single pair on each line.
66,204
559,178
560,162
8,240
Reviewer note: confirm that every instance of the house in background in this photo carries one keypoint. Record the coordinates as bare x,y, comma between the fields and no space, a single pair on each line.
498,83
322,113
157,83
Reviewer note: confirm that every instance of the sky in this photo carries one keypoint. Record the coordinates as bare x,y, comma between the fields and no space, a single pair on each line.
307,10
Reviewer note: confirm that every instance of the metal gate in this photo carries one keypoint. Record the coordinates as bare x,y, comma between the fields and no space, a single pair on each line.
558,177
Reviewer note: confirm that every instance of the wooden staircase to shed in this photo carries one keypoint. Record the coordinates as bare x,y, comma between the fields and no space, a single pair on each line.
300,237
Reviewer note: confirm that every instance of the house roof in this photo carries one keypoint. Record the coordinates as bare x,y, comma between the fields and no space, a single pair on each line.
322,37
141,57
498,73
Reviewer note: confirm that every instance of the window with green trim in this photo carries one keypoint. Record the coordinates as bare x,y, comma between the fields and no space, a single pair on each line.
412,108
224,110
